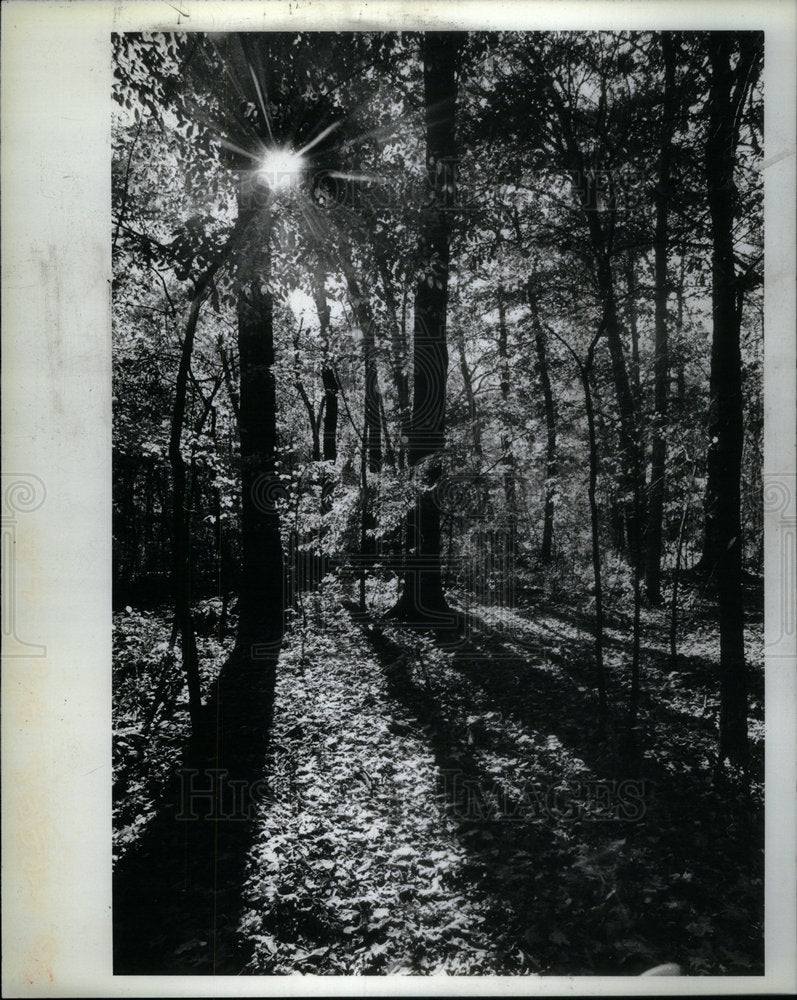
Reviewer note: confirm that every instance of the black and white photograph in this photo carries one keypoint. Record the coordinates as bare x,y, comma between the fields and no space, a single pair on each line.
437,526
437,479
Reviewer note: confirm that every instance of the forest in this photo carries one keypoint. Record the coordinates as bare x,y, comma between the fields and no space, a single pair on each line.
437,503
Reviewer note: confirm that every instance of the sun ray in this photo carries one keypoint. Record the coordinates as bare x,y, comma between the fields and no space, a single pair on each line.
311,217
318,138
238,149
263,108
342,175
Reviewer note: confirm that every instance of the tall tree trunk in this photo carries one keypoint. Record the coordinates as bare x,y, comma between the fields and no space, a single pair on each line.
618,507
541,347
398,352
405,428
149,507
262,588
680,352
371,455
313,417
600,222
232,392
365,320
182,541
366,550
633,326
633,700
329,380
389,450
470,397
508,459
630,432
183,619
585,369
637,472
676,579
661,358
727,94
330,434
595,530
208,410
422,596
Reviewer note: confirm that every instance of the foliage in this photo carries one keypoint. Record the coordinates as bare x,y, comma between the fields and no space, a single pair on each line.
367,856
441,811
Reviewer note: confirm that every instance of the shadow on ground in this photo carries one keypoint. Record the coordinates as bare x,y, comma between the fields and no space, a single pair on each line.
586,893
177,893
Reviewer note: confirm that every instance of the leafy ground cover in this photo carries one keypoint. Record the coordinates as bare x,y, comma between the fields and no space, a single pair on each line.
453,805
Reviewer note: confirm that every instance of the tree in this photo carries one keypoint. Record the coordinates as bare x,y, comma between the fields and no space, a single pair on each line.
328,375
507,457
661,356
261,600
729,87
585,371
541,348
422,596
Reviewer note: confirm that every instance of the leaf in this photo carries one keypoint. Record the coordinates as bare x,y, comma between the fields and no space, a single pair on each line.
317,953
268,943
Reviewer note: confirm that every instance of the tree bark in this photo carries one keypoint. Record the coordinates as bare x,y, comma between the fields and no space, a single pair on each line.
389,451
228,381
330,432
541,347
313,417
676,579
329,379
262,588
367,324
727,94
470,397
595,530
183,619
630,435
508,459
633,326
398,353
661,356
585,369
422,597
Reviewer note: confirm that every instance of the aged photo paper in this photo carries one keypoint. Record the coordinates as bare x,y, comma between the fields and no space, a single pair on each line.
399,507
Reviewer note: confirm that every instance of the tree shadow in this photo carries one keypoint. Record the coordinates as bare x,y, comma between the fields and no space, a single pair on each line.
178,892
530,858
575,656
507,854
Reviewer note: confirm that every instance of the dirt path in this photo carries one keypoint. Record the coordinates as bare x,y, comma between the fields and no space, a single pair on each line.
357,868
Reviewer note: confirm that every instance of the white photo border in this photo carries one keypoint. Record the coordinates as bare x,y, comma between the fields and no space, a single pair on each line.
56,399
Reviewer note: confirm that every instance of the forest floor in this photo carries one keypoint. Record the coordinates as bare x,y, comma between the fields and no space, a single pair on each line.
456,807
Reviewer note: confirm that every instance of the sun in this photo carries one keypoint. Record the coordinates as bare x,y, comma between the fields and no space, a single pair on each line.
281,168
